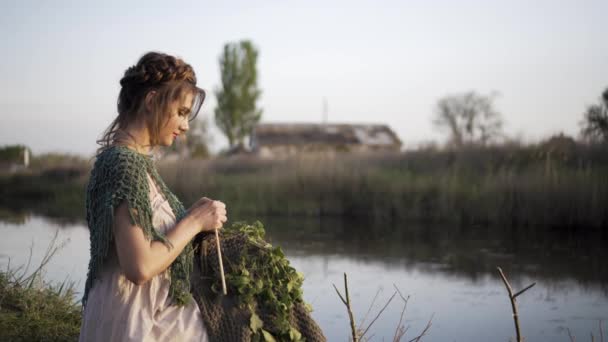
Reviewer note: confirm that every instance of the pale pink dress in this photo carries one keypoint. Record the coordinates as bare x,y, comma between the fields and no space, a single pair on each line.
119,310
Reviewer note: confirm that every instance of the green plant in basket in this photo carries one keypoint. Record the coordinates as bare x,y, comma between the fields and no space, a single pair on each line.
263,281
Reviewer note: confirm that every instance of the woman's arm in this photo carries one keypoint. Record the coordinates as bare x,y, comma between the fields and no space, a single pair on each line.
142,259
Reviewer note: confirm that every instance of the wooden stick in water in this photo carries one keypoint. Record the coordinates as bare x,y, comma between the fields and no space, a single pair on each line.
219,256
513,302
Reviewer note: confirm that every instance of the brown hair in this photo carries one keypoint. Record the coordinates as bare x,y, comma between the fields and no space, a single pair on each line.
170,77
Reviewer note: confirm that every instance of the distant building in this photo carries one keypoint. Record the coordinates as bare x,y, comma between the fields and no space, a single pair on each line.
281,140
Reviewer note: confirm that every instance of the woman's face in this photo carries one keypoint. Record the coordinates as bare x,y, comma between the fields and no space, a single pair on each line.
177,125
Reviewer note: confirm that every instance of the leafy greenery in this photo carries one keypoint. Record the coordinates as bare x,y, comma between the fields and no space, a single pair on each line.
265,283
236,113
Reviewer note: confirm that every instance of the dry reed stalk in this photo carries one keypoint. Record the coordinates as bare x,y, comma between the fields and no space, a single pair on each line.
359,335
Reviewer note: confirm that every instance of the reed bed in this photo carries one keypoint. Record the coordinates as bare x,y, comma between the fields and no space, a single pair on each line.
563,185
521,186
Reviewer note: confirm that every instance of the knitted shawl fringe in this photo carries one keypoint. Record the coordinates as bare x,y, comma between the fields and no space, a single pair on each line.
119,174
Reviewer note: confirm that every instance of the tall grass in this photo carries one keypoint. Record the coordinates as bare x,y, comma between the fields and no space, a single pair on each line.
32,310
556,184
523,186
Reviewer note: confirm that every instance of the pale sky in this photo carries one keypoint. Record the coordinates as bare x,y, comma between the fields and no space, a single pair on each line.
375,61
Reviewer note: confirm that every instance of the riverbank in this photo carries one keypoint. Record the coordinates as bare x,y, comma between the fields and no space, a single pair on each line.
33,310
55,193
558,186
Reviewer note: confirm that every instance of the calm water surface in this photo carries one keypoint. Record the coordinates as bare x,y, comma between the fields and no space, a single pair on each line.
448,272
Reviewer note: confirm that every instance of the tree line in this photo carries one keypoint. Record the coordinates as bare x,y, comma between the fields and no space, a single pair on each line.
468,118
471,119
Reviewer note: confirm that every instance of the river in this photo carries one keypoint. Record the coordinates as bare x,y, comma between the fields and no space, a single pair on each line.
449,273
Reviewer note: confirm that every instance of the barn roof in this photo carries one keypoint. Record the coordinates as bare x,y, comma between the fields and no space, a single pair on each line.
272,134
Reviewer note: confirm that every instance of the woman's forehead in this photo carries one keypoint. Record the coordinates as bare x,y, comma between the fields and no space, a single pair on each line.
186,99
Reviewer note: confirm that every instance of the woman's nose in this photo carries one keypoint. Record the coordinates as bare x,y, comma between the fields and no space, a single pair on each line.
184,126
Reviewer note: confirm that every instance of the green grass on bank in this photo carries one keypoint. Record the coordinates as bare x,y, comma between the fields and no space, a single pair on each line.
36,314
32,310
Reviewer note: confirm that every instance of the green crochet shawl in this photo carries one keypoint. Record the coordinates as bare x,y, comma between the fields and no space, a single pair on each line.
118,174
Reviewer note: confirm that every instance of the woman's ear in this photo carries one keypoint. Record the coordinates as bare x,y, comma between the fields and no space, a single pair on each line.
148,100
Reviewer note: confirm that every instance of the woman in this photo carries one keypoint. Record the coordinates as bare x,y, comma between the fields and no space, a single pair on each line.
137,287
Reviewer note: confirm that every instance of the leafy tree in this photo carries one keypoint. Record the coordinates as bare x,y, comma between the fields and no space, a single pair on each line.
469,118
594,127
236,113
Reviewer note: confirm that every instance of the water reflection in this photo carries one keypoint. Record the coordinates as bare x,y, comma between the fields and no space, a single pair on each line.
471,252
448,271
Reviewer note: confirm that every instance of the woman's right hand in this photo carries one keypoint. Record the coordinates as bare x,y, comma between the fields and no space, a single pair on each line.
208,213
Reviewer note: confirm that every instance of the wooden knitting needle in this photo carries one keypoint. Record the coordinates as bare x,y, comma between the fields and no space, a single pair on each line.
219,256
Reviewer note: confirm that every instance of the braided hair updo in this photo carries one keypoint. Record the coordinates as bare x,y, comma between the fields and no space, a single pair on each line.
169,77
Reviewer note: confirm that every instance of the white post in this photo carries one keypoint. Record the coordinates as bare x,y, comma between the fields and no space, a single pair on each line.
26,157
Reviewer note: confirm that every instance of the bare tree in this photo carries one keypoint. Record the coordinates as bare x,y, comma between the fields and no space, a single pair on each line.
594,126
468,118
